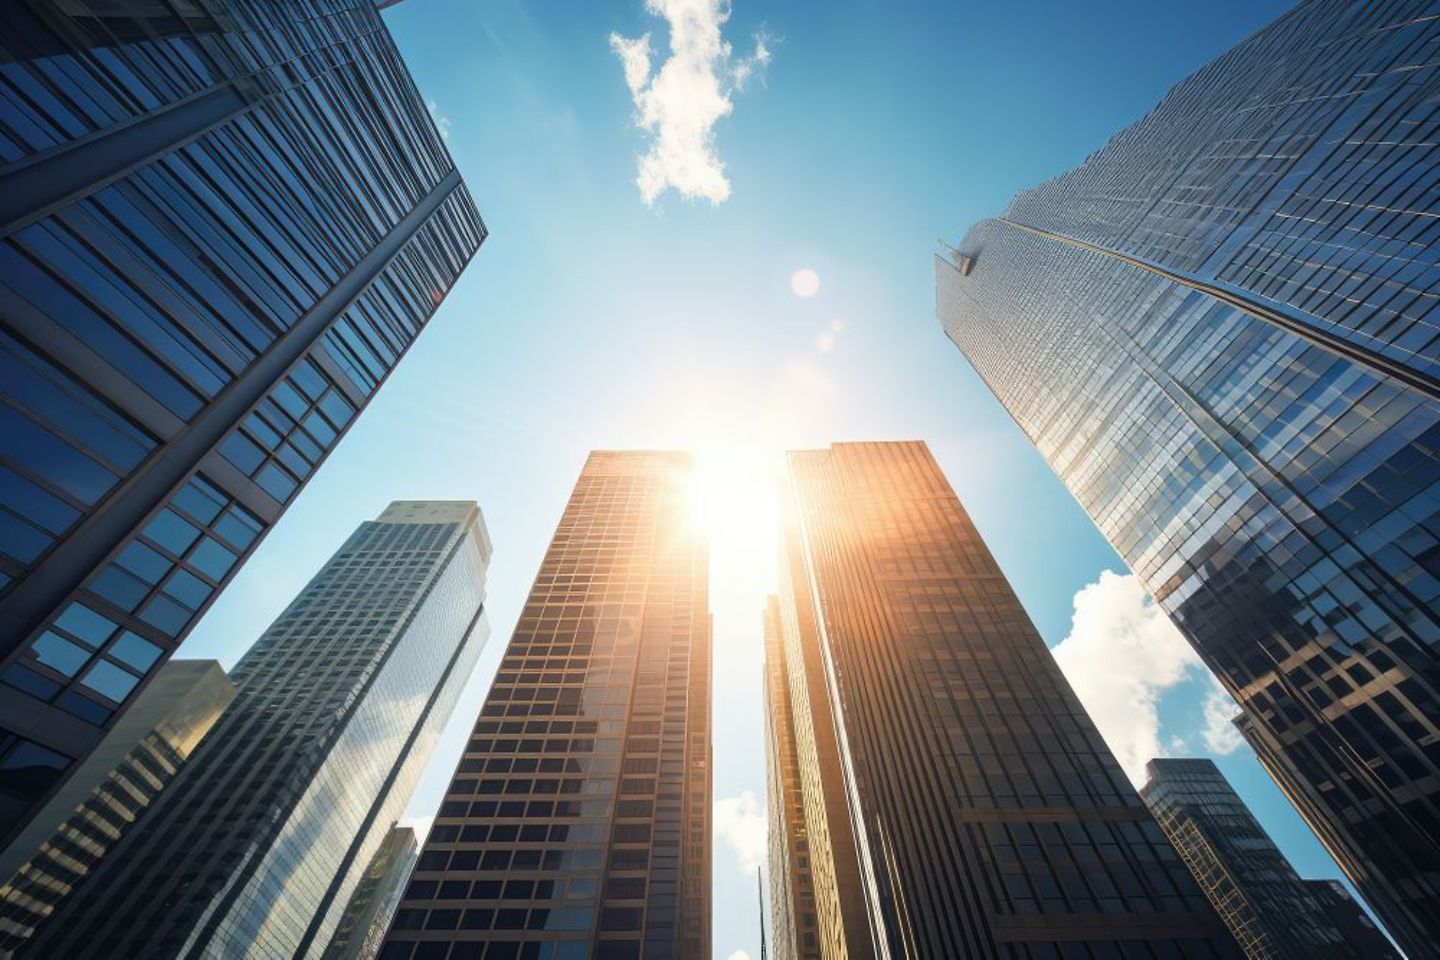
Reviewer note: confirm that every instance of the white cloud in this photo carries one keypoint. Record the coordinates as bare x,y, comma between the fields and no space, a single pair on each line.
805,283
442,122
738,955
1121,655
740,822
680,102
825,342
1219,734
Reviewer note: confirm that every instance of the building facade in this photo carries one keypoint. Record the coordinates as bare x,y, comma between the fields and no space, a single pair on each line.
1221,332
987,814
221,226
1350,918
361,931
577,825
257,847
1257,893
112,789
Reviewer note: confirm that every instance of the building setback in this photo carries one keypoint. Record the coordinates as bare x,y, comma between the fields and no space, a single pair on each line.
989,817
1221,332
1266,905
221,226
257,847
577,825
140,756
361,931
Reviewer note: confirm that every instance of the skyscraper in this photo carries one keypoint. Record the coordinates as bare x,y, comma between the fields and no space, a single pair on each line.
577,825
1354,925
256,848
1253,887
221,226
140,756
1220,331
988,816
361,931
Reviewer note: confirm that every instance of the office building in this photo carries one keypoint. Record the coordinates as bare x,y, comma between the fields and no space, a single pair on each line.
112,789
221,227
256,848
361,930
577,825
1252,886
988,817
1220,331
1350,918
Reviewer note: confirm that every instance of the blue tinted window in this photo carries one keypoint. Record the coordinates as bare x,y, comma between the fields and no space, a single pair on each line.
19,539
109,680
28,681
309,379
188,589
38,506
59,654
212,559
144,562
240,451
79,705
85,624
119,587
290,400
166,615
276,482
135,651
337,408
24,441
238,527
200,500
172,533
319,429
29,769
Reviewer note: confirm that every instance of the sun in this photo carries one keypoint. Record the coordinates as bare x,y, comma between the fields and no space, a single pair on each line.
735,501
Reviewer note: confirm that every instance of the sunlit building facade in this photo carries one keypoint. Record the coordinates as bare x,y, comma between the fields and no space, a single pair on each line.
987,814
1250,882
65,842
256,849
361,931
1221,332
577,825
221,227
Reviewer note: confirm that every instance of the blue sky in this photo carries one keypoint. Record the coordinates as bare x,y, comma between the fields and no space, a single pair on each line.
590,319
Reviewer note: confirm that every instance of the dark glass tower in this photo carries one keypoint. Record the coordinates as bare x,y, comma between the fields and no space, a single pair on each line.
1350,918
1221,332
988,816
221,226
256,848
361,931
577,826
1257,893
140,756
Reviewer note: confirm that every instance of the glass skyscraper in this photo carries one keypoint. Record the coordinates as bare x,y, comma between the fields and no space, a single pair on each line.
987,815
577,825
140,756
1350,918
221,226
1257,893
256,848
1221,332
361,931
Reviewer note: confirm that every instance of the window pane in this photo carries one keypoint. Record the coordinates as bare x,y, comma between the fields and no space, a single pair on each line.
85,624
172,533
212,559
135,651
60,654
110,681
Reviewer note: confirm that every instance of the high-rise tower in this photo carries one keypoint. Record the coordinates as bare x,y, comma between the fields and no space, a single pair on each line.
221,227
1257,893
1221,332
988,817
577,826
256,848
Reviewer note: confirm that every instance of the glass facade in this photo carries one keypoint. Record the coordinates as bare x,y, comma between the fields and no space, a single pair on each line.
221,226
1350,918
577,825
1253,887
257,847
361,930
1220,331
111,790
988,816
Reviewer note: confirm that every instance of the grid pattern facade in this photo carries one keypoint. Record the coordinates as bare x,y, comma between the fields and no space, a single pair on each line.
795,932
577,824
257,847
361,931
990,817
1219,331
1350,918
221,226
1253,887
117,784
